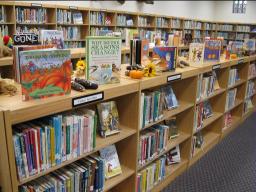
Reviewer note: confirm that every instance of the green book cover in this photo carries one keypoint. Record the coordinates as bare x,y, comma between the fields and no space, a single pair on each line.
103,59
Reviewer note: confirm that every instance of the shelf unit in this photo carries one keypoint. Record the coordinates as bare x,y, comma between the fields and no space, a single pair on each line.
127,94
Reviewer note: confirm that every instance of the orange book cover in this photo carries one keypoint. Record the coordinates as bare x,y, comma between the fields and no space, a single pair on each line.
45,73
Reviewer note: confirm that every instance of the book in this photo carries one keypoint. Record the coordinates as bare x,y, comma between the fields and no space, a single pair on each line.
212,50
167,57
144,51
249,44
196,53
53,37
173,156
111,161
108,118
207,111
45,73
103,59
170,98
173,128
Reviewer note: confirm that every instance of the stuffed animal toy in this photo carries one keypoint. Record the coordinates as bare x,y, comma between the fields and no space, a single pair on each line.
7,40
5,50
7,87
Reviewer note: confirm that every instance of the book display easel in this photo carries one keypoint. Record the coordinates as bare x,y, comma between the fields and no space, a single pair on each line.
127,96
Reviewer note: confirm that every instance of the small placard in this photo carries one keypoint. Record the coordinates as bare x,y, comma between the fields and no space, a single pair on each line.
25,39
36,5
73,7
173,78
214,67
240,61
83,100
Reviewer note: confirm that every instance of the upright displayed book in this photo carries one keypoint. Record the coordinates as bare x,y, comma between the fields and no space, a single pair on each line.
45,73
167,57
173,156
129,35
109,119
111,161
196,53
212,50
52,37
173,128
249,44
103,59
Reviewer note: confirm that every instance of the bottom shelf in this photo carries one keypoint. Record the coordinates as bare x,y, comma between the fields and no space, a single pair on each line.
210,139
126,173
226,130
172,172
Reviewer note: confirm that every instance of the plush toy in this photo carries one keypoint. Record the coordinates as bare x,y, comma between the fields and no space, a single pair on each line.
5,50
7,87
7,40
80,69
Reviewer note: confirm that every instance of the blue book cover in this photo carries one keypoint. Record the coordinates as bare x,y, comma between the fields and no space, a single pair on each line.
167,57
57,124
212,50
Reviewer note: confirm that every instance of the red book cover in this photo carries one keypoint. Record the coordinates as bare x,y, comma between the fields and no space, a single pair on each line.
33,149
39,148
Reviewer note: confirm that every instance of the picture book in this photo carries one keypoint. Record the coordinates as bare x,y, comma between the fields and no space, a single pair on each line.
144,51
108,117
207,112
129,35
249,44
173,128
167,56
212,50
170,98
103,59
45,73
173,156
112,164
53,37
196,53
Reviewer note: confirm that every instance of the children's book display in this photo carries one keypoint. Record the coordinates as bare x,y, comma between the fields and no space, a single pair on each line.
196,53
173,156
108,117
103,59
212,50
45,73
167,57
52,37
111,161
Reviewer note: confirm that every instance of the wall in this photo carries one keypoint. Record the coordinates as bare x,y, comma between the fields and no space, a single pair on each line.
189,9
223,12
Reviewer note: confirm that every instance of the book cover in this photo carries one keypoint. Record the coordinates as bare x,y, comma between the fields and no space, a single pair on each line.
112,164
144,51
45,73
249,44
196,52
52,37
109,119
103,59
167,56
212,50
207,111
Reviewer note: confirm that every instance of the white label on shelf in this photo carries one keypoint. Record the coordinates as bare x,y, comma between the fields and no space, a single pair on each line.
240,61
36,5
173,77
87,99
214,67
73,7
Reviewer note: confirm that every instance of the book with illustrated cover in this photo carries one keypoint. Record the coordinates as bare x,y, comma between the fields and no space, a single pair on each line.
249,44
112,164
52,37
77,18
103,59
45,73
173,156
170,98
207,110
173,128
108,117
144,51
196,53
167,56
212,50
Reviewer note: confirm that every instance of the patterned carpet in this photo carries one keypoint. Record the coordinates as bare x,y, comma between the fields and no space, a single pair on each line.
228,167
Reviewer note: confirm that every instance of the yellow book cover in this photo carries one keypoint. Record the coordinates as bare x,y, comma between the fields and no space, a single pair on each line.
144,180
53,163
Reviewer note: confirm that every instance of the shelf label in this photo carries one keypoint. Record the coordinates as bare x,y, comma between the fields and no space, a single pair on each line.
25,39
36,5
173,78
240,61
73,7
214,67
87,99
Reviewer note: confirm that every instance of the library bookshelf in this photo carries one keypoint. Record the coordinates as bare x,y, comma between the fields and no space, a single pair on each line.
127,94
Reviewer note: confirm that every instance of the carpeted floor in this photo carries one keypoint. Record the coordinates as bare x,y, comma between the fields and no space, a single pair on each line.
229,167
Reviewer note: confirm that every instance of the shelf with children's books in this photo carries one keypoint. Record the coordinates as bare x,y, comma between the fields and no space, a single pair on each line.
214,94
238,83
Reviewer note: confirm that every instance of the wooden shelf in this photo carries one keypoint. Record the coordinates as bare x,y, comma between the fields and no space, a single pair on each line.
252,77
210,139
239,82
215,93
235,121
170,145
237,103
209,121
112,182
71,24
100,143
97,25
4,61
35,24
70,40
20,111
170,113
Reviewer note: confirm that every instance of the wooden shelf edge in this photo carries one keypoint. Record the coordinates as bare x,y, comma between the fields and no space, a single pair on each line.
100,143
239,82
215,93
237,103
